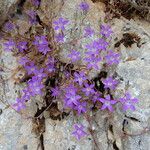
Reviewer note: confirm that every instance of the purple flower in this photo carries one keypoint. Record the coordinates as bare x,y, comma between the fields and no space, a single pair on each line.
50,60
93,62
81,107
9,45
79,131
112,58
50,68
50,65
55,91
88,89
67,74
128,102
40,40
80,77
89,46
22,46
92,54
96,97
42,44
9,26
106,31
88,31
32,16
35,2
74,56
39,74
71,89
60,24
72,99
100,44
26,94
107,103
97,45
35,86
23,60
59,37
44,49
84,6
31,69
110,83
19,105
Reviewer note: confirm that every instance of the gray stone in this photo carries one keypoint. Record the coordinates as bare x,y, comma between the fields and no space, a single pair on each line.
6,7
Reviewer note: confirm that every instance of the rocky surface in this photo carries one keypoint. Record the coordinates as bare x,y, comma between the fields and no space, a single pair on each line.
119,131
6,7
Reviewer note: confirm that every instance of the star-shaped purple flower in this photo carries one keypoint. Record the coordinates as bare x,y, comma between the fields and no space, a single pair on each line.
26,94
80,77
79,131
19,105
44,49
81,107
71,89
112,58
42,44
100,44
23,61
96,97
84,6
9,45
93,62
59,37
32,16
35,2
55,91
31,68
40,40
128,102
88,89
97,45
88,32
9,26
74,56
60,24
35,86
22,46
106,31
39,74
107,103
50,68
110,83
71,97
72,100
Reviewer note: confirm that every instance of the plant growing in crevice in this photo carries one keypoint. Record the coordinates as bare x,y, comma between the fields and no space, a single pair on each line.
66,83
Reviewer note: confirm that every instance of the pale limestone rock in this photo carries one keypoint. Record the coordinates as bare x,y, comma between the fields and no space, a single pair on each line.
16,129
6,7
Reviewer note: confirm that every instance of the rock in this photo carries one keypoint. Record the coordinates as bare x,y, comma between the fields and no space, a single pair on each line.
58,136
16,128
6,7
136,73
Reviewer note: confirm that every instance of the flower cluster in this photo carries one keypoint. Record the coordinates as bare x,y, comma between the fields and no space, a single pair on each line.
72,85
59,27
42,44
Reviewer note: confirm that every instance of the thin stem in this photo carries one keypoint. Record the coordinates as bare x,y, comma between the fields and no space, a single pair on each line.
87,117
